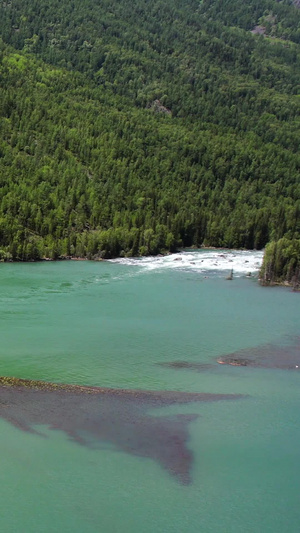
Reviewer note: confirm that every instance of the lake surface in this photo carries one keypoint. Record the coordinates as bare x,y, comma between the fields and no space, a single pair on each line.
168,463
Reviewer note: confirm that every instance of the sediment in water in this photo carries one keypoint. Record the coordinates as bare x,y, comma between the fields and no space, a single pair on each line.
97,417
267,356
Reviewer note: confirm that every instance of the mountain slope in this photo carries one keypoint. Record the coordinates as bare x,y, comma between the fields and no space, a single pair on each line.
154,127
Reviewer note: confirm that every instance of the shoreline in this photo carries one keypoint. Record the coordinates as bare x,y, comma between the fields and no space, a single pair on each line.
98,258
263,283
285,284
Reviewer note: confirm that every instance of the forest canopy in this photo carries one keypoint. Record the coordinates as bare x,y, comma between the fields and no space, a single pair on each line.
132,131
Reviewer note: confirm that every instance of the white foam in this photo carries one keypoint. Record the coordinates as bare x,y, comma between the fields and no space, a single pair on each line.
218,261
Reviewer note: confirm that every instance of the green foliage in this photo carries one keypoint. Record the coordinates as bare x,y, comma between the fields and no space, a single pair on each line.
135,131
282,262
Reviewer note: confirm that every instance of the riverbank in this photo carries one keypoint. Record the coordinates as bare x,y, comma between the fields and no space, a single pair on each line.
229,263
285,283
281,264
232,262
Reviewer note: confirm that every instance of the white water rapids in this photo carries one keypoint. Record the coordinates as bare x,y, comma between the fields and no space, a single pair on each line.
204,261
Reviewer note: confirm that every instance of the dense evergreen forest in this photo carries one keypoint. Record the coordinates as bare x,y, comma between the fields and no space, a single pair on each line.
137,128
282,263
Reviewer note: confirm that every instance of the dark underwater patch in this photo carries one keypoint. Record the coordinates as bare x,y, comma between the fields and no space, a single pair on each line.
186,365
268,356
93,416
285,357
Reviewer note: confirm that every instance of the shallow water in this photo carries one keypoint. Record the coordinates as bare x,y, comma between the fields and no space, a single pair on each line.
119,324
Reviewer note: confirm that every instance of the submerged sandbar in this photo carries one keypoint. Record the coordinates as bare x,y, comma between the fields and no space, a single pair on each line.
284,357
268,356
96,417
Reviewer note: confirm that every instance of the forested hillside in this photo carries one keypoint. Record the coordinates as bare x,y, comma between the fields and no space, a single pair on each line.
134,129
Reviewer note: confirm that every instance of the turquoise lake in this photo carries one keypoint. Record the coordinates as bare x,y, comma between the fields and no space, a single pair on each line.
122,324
